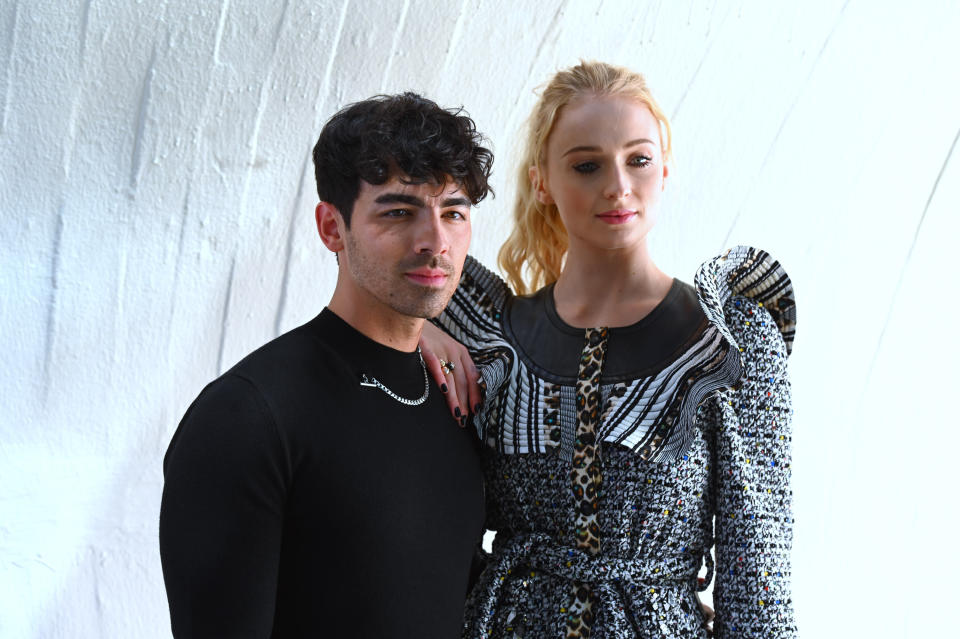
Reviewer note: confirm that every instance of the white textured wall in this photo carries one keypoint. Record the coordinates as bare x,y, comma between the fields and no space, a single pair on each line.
156,197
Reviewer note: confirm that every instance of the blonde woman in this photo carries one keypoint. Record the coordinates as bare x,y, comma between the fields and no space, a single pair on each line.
632,423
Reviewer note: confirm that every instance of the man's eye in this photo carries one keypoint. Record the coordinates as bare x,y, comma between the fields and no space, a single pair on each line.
456,215
641,160
396,213
585,167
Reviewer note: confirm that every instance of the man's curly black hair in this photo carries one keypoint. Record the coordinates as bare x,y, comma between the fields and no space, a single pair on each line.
402,135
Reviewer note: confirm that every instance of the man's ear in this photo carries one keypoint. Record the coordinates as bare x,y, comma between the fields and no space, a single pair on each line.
330,226
539,184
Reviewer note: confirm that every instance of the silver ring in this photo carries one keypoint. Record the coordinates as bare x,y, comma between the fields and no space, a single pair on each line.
447,367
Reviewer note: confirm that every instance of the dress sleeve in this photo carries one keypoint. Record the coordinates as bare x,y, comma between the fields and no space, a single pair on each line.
474,317
749,296
221,514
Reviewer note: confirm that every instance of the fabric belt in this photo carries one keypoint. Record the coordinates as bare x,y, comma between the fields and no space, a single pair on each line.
608,577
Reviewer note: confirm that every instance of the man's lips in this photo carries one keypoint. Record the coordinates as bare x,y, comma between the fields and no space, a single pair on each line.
617,216
428,276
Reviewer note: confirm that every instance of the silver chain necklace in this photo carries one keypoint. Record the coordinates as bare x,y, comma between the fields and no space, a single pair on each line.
367,380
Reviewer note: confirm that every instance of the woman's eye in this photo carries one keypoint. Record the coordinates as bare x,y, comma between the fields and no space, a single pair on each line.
586,167
641,160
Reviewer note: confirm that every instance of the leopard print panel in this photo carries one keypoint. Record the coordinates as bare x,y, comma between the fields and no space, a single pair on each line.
585,475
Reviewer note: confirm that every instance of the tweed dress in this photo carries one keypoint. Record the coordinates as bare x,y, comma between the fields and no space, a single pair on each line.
611,497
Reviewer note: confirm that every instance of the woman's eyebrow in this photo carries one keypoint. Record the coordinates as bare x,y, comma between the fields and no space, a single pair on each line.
597,148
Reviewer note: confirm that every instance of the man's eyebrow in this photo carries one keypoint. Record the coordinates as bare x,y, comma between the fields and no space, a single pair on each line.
413,200
597,148
456,201
399,198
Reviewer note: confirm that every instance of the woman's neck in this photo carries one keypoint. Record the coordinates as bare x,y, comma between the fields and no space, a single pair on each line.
609,288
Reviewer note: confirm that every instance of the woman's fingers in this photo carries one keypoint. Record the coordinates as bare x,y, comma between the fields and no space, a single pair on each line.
451,366
432,362
433,367
459,378
474,393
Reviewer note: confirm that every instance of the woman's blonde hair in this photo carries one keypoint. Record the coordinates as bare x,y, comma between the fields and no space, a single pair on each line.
538,242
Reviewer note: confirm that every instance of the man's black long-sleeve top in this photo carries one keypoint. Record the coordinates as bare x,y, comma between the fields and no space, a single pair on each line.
298,503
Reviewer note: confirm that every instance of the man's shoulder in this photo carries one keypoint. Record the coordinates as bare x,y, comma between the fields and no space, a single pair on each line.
296,373
301,356
269,391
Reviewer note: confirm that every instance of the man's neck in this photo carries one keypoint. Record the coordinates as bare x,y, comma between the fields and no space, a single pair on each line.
380,323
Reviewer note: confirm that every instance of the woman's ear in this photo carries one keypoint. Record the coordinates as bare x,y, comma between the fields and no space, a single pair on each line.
330,226
666,172
539,183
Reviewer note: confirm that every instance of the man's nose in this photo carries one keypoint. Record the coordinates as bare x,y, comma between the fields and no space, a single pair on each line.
431,236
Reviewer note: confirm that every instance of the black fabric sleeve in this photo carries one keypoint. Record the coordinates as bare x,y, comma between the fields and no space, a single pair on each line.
225,478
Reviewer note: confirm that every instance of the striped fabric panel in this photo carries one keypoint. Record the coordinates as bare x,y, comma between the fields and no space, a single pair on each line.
652,416
664,406
752,273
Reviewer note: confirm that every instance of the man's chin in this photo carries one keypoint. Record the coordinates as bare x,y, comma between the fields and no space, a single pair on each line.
426,307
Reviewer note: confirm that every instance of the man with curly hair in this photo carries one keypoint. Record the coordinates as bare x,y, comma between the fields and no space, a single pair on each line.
317,488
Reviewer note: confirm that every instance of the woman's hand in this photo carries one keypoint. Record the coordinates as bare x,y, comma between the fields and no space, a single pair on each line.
458,378
708,615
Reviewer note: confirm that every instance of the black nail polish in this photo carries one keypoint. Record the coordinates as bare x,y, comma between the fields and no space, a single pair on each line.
443,388
463,421
476,408
456,411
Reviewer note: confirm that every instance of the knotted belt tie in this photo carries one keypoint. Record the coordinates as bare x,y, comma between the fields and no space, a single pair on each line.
606,576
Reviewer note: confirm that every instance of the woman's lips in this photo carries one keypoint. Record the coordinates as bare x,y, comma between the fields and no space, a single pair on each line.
617,216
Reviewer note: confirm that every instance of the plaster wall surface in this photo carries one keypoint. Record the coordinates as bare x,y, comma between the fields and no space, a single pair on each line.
156,199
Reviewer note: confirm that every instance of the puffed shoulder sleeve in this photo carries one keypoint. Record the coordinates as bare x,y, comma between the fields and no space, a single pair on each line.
474,317
748,296
748,273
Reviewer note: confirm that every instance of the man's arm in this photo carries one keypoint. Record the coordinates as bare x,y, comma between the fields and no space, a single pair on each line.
221,517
